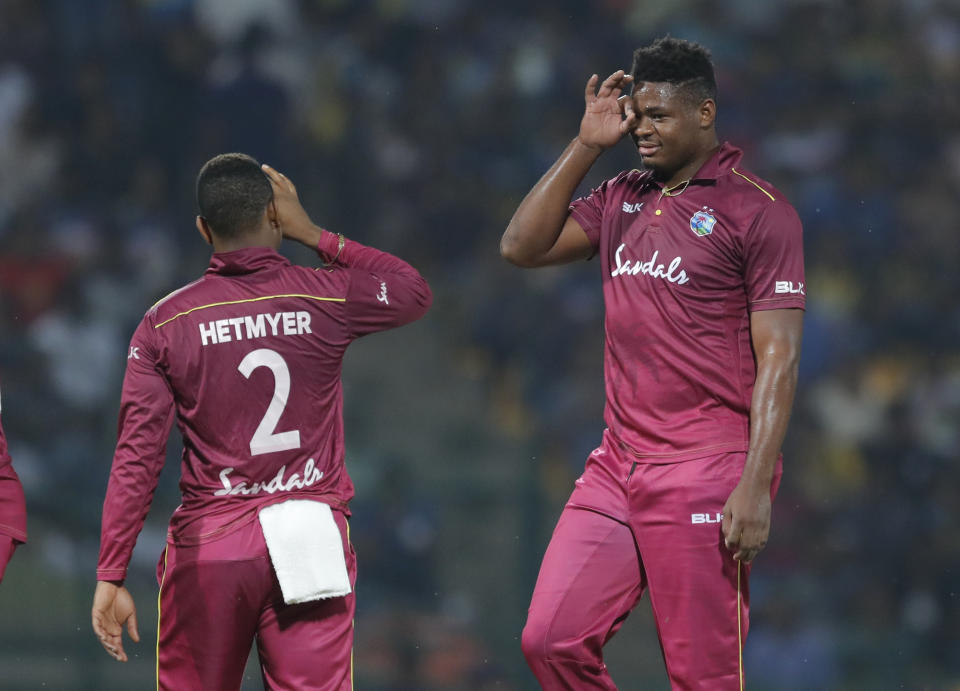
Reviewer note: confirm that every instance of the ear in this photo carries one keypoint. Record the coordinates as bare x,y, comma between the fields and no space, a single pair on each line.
204,230
273,219
707,113
273,216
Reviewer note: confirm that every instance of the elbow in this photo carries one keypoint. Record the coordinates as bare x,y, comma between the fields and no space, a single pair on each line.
508,248
426,298
423,300
407,306
512,251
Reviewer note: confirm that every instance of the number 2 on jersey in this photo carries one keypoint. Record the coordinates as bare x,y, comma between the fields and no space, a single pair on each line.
264,439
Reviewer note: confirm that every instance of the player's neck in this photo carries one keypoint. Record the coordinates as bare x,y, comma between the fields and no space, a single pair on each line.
690,168
264,239
233,247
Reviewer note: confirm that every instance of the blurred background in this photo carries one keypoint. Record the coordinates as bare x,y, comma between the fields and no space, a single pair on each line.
417,126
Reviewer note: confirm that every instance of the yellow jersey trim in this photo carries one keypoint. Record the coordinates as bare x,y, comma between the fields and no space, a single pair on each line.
237,302
754,184
353,622
740,623
163,577
174,292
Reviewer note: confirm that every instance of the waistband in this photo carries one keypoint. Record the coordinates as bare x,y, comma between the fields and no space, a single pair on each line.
183,537
678,456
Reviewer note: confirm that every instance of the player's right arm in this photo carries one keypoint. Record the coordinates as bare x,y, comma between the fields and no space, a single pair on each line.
542,232
146,414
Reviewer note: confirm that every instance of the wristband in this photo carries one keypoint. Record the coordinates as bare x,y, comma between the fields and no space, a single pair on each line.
341,241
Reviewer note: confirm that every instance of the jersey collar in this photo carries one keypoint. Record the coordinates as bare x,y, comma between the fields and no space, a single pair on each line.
715,167
245,261
718,165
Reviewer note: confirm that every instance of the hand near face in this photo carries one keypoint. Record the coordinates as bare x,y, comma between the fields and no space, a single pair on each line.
603,122
294,221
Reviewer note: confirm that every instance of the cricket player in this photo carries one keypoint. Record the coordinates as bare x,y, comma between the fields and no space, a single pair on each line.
703,284
13,509
247,361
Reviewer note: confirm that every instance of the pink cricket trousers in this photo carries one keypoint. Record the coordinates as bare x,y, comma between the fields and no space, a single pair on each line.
627,528
215,598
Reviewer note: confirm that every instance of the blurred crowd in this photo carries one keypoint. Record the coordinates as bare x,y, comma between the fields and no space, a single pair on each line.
417,126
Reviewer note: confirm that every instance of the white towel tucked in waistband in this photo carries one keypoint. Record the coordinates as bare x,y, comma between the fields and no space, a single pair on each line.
306,549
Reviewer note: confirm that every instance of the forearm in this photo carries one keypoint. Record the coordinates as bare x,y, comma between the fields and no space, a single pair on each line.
338,250
129,495
539,219
354,255
146,416
770,409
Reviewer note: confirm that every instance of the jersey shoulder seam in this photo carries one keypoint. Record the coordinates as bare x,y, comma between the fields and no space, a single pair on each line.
753,182
174,293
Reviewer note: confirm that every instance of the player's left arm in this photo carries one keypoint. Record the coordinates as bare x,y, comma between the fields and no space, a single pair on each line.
385,291
776,336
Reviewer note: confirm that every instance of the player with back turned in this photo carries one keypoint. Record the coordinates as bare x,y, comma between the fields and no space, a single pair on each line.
702,275
247,360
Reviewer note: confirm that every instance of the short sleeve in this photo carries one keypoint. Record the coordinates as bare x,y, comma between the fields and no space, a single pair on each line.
773,259
588,210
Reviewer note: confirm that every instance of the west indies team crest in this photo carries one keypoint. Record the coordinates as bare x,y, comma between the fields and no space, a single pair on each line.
703,221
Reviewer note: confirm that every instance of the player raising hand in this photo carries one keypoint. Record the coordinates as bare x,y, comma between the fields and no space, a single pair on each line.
246,360
701,267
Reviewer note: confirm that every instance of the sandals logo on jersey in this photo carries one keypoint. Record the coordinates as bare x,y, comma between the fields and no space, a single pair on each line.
633,267
703,221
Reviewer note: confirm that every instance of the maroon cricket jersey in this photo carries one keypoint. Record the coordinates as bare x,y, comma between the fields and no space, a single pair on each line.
681,274
247,359
13,508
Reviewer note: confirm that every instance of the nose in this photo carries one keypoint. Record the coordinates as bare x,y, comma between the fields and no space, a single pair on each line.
644,126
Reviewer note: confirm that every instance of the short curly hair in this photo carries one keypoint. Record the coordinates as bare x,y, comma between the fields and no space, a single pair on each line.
232,194
684,64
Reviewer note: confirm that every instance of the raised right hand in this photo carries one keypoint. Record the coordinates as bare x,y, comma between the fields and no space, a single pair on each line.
295,223
603,122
